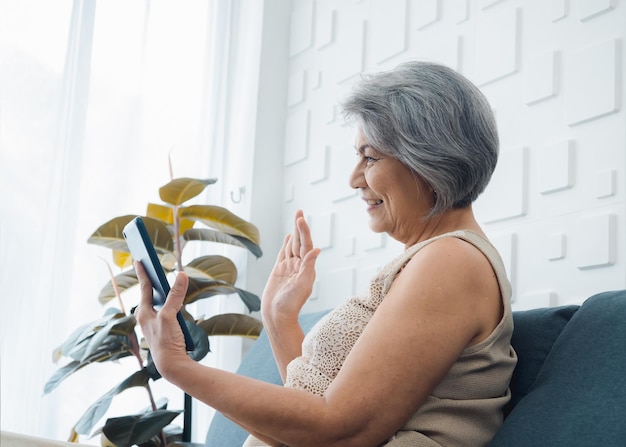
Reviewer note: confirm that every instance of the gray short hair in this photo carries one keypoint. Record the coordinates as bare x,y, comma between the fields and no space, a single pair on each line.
435,122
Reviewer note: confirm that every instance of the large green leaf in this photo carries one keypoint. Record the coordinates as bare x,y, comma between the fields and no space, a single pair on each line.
128,430
125,324
112,348
81,335
252,301
222,220
60,375
201,342
205,288
100,407
110,234
216,267
124,281
180,190
232,324
173,436
202,234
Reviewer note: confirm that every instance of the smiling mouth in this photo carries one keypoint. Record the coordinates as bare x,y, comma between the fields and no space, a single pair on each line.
374,202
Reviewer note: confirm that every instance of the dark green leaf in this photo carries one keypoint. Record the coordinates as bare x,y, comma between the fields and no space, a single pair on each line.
205,288
60,375
173,436
232,324
213,267
99,408
76,344
252,301
110,234
222,220
120,321
201,342
128,430
113,347
203,234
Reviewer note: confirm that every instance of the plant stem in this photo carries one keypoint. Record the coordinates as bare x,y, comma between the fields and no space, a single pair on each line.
177,244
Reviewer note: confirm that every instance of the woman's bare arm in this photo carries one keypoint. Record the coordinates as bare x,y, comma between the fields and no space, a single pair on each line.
445,299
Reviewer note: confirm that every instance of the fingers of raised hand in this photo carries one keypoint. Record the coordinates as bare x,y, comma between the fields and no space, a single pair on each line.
296,237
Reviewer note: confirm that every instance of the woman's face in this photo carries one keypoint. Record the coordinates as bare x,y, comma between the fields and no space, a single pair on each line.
397,199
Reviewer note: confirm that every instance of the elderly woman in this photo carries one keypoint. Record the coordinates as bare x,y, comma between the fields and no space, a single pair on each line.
424,359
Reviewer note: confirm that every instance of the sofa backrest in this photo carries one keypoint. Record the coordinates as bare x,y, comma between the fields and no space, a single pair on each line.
578,397
571,374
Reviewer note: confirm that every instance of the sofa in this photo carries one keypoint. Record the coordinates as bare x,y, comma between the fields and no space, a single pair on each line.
568,389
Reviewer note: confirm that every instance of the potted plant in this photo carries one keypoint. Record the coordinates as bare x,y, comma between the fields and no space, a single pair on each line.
171,225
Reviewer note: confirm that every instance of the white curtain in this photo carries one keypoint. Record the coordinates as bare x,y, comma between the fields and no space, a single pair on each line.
94,98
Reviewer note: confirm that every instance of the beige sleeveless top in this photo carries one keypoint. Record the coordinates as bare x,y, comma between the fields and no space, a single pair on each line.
466,407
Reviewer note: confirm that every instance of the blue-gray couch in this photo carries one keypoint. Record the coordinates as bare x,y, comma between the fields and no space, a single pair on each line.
568,389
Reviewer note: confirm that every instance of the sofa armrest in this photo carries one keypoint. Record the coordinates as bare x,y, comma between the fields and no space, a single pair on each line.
579,396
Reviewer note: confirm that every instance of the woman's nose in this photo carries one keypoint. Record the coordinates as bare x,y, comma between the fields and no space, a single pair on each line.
357,180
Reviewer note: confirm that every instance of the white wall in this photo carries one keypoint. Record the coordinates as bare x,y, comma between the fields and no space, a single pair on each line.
553,72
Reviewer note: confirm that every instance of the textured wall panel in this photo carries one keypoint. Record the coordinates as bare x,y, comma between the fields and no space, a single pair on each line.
588,9
389,28
594,241
506,194
556,167
545,66
372,241
460,11
322,229
425,12
296,137
506,244
593,79
484,4
325,14
605,184
318,165
316,80
558,10
342,161
541,77
289,193
349,48
496,46
301,35
448,52
347,246
535,299
295,88
554,246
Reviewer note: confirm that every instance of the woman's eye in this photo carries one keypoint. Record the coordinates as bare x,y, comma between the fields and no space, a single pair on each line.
366,158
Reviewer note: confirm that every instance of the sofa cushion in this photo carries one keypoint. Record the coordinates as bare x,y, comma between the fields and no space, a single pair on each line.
535,332
579,396
258,363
